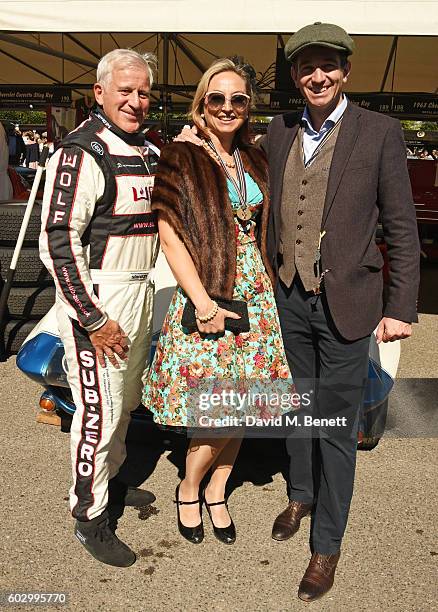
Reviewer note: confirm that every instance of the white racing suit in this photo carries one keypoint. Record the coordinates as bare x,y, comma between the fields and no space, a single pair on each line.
99,241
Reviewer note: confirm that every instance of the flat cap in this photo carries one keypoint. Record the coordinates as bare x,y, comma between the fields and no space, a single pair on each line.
319,35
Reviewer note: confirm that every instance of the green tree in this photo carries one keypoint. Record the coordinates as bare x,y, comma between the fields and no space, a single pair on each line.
425,126
23,117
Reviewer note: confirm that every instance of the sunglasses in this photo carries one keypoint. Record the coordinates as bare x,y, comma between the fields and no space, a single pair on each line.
215,100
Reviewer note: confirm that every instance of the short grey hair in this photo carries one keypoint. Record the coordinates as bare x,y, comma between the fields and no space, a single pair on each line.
125,58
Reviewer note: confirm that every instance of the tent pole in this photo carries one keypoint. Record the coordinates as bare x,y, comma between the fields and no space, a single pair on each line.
37,70
82,46
165,122
63,61
188,53
14,40
389,62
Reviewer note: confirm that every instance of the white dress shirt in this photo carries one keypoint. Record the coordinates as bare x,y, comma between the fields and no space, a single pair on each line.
312,138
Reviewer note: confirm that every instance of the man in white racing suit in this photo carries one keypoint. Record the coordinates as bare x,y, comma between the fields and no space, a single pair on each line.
99,241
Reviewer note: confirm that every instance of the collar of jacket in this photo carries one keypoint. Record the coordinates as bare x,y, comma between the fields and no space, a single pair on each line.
135,139
191,190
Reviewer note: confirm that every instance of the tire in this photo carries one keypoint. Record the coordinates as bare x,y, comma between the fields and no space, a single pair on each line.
11,218
30,271
16,333
28,303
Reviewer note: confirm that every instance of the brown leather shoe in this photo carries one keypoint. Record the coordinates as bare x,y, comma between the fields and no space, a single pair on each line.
319,576
288,522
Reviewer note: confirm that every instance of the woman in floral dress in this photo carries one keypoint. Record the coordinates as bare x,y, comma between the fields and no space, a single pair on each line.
212,203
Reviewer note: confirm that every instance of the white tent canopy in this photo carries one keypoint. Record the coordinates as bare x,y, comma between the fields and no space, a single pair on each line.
393,17
52,42
380,63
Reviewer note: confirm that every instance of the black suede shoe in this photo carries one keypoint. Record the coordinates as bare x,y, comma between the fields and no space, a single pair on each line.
97,537
139,497
120,494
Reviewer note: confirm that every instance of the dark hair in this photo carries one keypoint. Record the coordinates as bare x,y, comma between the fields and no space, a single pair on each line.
343,58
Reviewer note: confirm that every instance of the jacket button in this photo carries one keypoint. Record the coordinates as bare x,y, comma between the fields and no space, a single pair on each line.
300,212
299,227
302,197
304,182
298,241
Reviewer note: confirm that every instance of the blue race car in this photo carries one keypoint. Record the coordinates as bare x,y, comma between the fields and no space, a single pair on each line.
42,359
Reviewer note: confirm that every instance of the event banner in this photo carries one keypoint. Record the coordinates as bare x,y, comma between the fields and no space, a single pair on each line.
403,105
13,96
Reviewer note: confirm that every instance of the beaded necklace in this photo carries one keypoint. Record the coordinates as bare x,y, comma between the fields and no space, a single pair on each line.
243,213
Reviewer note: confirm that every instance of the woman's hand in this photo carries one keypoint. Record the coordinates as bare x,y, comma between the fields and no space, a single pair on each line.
188,279
217,324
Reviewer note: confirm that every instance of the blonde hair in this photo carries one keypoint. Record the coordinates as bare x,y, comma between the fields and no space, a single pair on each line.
218,66
125,58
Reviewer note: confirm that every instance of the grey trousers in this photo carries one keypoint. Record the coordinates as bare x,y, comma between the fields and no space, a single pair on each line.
332,371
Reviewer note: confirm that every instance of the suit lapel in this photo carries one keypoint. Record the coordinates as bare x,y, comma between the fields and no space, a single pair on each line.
285,146
347,137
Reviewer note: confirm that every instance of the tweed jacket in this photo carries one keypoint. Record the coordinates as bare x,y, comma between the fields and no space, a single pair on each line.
368,181
191,190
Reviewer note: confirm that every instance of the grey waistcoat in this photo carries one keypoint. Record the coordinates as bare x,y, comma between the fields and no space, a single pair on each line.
302,204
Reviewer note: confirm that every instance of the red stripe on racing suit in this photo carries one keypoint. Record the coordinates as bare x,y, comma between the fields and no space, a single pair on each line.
66,214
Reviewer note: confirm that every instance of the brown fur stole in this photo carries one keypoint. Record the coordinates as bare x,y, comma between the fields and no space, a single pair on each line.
191,190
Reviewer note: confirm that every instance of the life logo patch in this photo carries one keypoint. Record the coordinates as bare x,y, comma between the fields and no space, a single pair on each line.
97,147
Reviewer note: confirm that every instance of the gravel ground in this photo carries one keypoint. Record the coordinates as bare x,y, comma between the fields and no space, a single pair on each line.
389,555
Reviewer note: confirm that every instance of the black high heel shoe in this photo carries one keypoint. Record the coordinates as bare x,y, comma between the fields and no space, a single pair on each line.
226,535
192,534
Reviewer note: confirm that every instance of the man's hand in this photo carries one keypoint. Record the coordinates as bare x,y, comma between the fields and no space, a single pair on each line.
389,330
110,340
188,134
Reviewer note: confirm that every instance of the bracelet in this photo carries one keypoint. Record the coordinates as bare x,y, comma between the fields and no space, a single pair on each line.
210,315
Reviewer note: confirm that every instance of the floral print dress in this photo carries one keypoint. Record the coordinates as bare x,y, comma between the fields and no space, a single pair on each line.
183,361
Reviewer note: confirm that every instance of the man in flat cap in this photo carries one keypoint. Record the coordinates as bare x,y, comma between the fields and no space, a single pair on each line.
335,169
